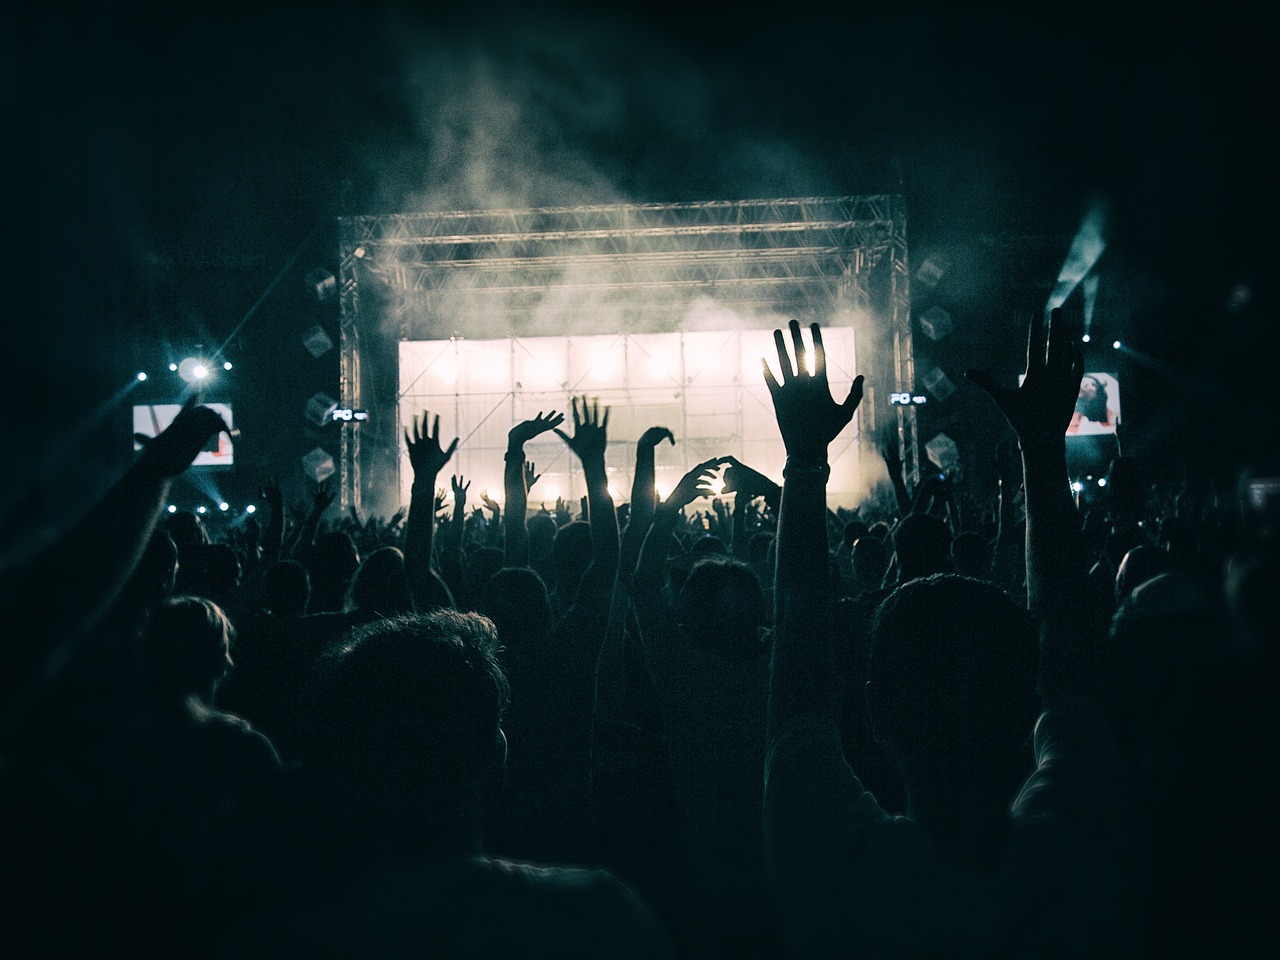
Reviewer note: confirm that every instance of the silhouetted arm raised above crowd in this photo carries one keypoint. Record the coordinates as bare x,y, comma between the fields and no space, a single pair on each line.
427,457
804,668
517,478
273,537
52,598
322,496
611,662
1039,411
746,484
589,441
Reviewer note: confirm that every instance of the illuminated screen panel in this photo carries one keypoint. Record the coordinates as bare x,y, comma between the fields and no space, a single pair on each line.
150,419
1097,406
707,387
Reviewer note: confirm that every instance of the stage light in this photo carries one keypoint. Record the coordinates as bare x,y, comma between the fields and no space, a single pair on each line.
1085,338
141,375
1076,486
359,252
1102,481
1115,345
172,508
227,365
202,509
224,506
194,370
251,509
173,367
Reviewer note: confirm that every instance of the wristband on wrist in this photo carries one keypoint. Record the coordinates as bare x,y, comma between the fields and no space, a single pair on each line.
512,455
818,470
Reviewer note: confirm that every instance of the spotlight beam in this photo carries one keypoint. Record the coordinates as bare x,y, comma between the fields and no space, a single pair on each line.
1086,247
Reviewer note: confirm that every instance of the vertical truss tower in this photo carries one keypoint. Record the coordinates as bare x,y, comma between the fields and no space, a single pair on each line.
619,268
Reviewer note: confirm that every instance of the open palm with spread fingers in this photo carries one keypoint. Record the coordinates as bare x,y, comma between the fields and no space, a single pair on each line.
808,417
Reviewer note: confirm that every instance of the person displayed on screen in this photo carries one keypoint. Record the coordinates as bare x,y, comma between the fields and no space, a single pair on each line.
1094,412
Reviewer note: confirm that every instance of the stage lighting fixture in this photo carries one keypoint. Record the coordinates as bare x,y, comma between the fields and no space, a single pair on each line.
1115,345
173,367
194,370
224,506
1102,481
359,252
317,342
172,508
226,365
322,283
202,509
1085,338
251,509
1076,486
141,375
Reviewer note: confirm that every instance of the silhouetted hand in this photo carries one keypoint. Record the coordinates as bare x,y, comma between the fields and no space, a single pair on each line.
808,418
322,496
590,431
438,503
690,486
489,502
890,453
744,481
526,430
396,519
460,489
654,436
270,493
172,450
1041,408
426,455
530,475
562,512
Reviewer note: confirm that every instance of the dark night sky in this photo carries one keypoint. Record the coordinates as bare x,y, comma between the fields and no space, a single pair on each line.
169,164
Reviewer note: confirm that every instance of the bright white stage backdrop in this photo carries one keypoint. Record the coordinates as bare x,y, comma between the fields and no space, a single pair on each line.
706,387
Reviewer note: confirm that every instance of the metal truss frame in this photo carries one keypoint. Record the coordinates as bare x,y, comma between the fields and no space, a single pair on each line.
488,273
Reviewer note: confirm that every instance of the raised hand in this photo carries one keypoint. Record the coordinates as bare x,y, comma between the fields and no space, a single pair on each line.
1040,409
426,455
744,481
271,494
490,503
438,503
396,519
562,512
691,485
590,431
459,491
530,476
654,436
808,418
171,451
526,430
321,496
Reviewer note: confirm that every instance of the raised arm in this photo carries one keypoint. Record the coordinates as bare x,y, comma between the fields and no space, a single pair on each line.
746,484
892,457
804,674
53,599
322,496
273,538
611,661
1039,411
589,441
451,569
427,457
516,481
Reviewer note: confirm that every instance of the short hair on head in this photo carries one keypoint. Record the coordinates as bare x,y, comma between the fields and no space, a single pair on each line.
721,601
954,667
415,697
922,543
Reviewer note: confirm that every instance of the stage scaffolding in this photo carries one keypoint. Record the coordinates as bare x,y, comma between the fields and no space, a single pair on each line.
557,271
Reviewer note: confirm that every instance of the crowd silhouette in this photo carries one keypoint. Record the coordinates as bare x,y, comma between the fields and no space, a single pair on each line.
729,722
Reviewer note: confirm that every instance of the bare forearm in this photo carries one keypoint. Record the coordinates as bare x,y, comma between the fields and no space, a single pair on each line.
515,534
803,677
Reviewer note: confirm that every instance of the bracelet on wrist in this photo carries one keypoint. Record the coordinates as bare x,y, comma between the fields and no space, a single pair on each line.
815,469
512,455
